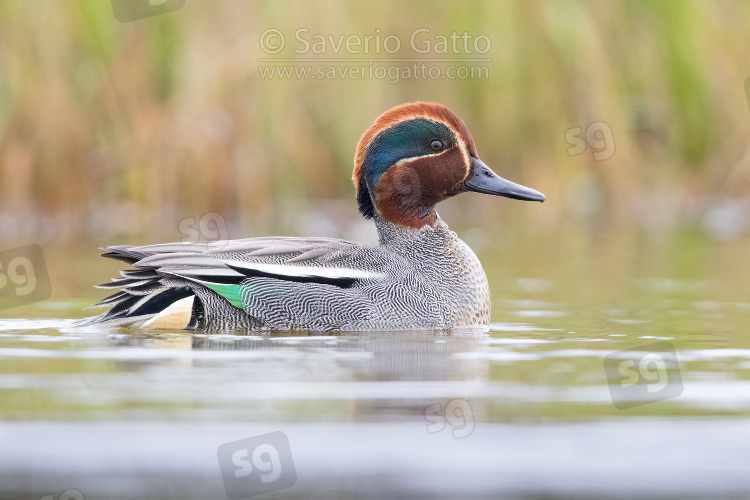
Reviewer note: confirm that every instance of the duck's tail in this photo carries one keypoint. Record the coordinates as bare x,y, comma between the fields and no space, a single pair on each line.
147,299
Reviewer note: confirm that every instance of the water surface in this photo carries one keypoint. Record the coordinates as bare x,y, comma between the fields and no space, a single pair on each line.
531,412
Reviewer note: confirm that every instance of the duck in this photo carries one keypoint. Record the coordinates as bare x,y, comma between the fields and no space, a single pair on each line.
420,275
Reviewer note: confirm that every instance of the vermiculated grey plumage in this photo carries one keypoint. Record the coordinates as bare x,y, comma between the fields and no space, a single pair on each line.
430,280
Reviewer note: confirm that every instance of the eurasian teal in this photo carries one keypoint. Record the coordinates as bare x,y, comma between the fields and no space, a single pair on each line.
419,276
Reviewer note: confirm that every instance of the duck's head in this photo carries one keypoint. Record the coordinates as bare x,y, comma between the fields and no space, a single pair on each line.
416,155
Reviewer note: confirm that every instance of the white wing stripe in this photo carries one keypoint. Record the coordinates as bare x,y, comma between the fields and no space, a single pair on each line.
207,272
305,271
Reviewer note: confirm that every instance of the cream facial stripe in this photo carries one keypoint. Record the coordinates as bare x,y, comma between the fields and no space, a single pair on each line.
407,160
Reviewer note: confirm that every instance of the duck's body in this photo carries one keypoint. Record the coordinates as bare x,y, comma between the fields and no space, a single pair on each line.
420,276
425,278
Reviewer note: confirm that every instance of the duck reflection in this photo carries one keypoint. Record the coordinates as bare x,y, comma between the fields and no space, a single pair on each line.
434,378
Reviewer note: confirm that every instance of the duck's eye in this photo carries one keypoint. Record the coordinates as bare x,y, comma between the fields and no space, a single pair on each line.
436,145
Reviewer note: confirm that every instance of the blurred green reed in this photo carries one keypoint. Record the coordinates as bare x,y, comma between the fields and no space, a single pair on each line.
125,128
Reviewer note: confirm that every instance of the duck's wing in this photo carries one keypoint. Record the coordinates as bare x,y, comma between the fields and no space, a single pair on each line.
281,283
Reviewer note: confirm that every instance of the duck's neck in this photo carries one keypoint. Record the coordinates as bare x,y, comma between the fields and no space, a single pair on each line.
415,217
390,233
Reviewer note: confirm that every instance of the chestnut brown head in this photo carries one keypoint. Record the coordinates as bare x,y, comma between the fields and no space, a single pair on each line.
416,155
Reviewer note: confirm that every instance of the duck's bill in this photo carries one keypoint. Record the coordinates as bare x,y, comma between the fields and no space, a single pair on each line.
484,180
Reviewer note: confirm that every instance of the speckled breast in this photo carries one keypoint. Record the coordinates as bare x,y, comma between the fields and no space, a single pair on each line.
449,269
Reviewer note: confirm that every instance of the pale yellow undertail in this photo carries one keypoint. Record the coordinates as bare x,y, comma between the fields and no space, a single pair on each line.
176,316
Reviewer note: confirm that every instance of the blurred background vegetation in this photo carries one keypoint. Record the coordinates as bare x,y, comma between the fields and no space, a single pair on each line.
114,132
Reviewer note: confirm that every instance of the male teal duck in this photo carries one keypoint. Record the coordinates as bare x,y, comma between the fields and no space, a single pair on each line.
419,276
